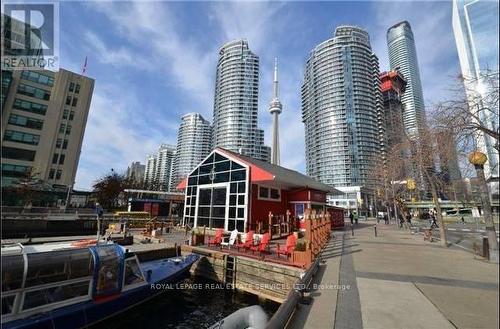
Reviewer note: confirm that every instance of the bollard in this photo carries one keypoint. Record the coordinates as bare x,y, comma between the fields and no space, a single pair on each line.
375,227
352,230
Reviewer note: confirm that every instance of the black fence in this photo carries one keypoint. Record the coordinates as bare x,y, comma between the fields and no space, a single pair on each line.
34,228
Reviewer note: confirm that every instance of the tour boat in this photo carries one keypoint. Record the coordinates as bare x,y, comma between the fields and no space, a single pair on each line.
63,286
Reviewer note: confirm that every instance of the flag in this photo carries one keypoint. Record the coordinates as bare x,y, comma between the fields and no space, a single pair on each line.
84,66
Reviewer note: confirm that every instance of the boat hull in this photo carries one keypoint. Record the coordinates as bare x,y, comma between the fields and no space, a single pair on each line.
91,312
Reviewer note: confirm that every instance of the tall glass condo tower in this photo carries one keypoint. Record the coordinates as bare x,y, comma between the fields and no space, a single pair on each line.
403,57
236,102
341,103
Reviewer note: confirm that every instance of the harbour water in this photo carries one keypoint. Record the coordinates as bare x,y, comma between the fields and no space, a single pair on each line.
192,303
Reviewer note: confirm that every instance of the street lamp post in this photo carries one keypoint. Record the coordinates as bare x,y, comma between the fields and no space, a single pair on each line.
68,194
478,159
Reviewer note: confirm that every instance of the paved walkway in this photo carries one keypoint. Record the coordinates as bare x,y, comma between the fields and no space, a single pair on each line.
396,280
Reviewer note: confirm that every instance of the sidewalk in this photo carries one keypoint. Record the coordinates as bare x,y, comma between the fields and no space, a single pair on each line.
396,280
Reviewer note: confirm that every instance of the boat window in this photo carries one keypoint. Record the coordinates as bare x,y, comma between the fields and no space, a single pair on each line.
132,272
8,304
12,272
48,267
55,294
108,278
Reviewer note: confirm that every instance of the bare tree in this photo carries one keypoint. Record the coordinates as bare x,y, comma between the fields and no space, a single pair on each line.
472,108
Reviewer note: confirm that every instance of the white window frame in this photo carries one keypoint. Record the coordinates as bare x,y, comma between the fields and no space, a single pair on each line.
210,186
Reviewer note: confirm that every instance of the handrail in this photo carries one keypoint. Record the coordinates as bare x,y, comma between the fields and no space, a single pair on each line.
285,311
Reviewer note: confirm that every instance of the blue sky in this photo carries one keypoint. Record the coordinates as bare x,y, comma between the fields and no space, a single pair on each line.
154,61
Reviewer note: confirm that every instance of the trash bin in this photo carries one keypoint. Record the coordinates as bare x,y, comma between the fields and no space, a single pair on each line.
486,249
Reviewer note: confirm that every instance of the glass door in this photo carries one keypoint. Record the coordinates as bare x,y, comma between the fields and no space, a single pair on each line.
212,206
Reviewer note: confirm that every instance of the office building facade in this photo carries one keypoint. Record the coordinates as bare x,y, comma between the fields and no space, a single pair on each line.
194,143
236,102
341,107
43,123
447,154
403,57
476,28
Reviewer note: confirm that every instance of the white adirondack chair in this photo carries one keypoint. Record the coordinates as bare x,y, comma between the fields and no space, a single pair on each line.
228,242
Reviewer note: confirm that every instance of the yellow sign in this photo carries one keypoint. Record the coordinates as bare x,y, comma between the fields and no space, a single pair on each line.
411,184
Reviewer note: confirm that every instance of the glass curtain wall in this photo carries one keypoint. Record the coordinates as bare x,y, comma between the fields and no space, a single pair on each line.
216,194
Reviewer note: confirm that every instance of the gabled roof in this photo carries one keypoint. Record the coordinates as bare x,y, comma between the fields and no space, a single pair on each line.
261,171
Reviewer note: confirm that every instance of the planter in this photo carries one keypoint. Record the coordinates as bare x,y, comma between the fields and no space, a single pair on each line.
197,239
303,258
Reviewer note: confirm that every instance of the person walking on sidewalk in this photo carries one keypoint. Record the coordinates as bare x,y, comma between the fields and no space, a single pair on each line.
356,217
434,223
408,220
351,217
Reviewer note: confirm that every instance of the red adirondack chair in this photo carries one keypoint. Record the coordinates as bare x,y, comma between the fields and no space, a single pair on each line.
288,248
248,241
217,239
263,244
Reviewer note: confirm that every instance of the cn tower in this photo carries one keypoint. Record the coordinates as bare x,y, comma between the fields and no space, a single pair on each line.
275,108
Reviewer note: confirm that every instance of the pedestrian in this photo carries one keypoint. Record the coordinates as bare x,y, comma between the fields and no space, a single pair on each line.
356,218
463,220
386,219
408,219
401,221
351,217
434,223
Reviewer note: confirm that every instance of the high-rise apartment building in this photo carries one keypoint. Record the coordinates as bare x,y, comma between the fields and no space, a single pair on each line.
476,28
43,123
135,172
393,86
149,170
341,106
403,57
236,102
194,143
159,166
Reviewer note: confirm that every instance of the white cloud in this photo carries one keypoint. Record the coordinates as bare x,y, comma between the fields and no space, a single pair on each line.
118,57
117,134
152,27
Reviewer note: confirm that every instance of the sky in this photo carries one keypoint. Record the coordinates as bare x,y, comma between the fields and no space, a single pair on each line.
155,61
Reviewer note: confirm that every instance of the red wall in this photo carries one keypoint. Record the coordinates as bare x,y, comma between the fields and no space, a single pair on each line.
307,195
260,208
301,195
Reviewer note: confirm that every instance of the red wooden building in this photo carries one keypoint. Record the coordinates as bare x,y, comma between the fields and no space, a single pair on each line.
229,190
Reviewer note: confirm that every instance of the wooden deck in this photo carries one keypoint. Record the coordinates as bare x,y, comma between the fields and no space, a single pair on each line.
267,277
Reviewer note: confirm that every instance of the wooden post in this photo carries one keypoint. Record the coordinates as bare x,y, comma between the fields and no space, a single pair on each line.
270,224
288,222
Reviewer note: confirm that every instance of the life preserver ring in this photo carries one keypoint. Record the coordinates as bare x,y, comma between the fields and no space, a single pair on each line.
84,243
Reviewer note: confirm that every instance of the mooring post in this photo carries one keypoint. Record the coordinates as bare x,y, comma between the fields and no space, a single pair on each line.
375,228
